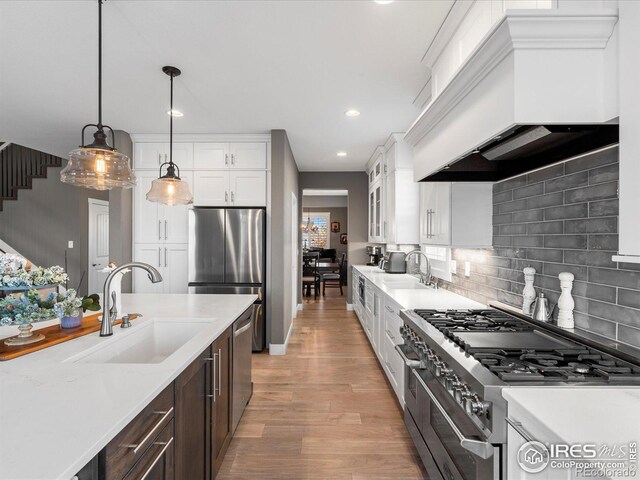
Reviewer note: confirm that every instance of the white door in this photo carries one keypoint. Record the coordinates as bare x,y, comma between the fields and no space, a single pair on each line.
248,188
211,189
175,219
98,243
149,155
175,263
154,256
248,155
435,213
210,155
295,246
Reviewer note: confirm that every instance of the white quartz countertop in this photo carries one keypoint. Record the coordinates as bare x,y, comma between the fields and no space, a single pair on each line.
56,415
395,286
600,415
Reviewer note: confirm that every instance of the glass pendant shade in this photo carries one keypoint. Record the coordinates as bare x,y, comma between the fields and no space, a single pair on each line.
170,191
98,169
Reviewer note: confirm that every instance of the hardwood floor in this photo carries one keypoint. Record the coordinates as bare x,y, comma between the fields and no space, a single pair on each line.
324,410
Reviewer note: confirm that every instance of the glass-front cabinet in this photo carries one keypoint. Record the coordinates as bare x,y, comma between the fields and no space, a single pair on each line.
376,207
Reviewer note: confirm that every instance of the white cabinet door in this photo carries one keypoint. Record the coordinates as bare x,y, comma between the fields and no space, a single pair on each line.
248,155
211,188
372,215
376,323
153,254
435,213
471,227
379,212
182,155
211,156
390,206
515,471
148,222
176,259
248,188
149,155
175,219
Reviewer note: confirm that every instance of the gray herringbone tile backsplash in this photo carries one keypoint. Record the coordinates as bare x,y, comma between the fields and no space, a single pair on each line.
563,218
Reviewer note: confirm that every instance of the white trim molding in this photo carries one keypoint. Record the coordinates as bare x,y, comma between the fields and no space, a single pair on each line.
201,137
626,258
350,307
300,307
6,248
281,348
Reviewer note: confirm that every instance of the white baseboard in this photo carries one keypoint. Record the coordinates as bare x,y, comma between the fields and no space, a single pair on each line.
350,307
300,306
281,348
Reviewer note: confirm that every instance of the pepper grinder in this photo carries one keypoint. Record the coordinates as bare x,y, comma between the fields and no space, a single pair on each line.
565,302
529,293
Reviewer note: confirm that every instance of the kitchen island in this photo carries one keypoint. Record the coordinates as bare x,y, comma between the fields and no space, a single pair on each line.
59,408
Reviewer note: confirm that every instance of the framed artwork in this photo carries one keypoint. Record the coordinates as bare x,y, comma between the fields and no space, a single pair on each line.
335,227
343,239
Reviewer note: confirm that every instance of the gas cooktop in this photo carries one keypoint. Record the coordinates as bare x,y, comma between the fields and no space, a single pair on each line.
515,350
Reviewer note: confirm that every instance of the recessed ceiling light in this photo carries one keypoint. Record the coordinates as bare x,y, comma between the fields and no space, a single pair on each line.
342,154
383,2
352,113
175,113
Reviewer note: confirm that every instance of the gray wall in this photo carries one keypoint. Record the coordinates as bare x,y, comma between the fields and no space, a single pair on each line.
356,184
120,216
339,214
325,200
563,218
41,222
284,182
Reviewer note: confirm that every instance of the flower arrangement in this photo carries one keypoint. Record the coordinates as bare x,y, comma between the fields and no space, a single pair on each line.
26,309
69,305
16,271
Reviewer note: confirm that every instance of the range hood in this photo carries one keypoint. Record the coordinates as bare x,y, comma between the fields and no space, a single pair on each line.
540,87
525,148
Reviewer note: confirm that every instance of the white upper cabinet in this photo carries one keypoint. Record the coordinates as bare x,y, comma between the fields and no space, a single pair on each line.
250,156
171,260
211,188
152,155
456,214
156,223
211,156
248,188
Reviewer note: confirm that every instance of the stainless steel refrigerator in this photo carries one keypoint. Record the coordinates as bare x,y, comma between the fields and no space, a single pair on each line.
227,254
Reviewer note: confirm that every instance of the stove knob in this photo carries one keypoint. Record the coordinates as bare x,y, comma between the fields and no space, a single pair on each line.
463,395
473,405
458,391
451,381
442,370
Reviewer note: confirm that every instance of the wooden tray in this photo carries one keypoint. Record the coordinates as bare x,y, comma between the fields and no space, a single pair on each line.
53,335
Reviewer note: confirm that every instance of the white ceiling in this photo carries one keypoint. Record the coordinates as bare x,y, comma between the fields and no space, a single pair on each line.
248,67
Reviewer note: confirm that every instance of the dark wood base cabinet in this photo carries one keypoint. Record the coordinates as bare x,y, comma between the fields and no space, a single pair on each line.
184,433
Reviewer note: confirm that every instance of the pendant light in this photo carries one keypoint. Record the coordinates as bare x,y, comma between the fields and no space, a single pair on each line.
98,165
169,189
309,226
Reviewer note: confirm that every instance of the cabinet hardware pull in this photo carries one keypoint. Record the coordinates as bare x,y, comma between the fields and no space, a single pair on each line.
136,447
226,197
389,309
165,229
165,257
220,369
232,199
391,336
213,374
159,158
242,330
233,159
159,229
226,159
164,449
159,253
517,426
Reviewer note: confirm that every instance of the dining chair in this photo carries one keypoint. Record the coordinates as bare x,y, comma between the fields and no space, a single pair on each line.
333,279
311,277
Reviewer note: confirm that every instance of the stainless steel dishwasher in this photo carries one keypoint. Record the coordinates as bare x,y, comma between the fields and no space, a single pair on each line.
242,347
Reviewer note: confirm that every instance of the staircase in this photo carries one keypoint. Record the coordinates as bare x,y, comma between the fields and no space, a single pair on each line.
19,166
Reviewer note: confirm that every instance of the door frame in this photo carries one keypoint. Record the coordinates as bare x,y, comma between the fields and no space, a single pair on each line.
93,202
295,254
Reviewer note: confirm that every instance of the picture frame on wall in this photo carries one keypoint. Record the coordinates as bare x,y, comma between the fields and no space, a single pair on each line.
343,239
335,227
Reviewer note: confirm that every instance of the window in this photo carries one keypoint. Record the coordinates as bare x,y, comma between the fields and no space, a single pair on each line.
439,257
315,229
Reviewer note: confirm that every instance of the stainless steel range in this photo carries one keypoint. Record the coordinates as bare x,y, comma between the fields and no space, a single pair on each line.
458,362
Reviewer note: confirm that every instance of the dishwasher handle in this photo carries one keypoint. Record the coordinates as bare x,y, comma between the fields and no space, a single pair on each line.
242,329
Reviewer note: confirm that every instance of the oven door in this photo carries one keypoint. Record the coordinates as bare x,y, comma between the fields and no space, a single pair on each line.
411,361
455,443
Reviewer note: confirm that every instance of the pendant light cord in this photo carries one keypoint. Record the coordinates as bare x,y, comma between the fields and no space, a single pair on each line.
100,64
171,124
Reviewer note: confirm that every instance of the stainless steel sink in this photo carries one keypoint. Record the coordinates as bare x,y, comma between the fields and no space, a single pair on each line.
150,342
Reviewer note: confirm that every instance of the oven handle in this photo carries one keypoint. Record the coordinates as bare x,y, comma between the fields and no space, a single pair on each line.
407,361
517,426
482,449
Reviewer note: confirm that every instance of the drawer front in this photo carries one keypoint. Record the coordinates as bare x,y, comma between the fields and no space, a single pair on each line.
158,460
392,324
394,367
132,442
